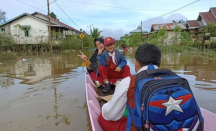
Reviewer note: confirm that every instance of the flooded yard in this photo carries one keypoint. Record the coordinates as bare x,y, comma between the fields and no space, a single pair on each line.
47,93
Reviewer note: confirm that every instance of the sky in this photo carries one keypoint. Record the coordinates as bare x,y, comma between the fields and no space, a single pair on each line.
114,18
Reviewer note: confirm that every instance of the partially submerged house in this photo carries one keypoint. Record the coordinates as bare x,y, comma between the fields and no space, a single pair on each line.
203,19
170,28
33,28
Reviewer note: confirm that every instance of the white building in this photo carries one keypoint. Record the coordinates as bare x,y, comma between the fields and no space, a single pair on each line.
33,28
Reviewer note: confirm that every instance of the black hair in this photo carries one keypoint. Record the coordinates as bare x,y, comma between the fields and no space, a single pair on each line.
99,39
148,53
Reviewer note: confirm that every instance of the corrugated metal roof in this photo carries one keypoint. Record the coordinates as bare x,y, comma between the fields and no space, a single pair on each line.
168,26
208,17
193,23
139,30
213,11
57,21
53,21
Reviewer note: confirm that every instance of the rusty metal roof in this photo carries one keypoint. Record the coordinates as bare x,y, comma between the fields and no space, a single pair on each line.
168,26
193,23
213,10
208,17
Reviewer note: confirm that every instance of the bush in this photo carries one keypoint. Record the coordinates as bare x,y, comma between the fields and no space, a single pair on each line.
6,41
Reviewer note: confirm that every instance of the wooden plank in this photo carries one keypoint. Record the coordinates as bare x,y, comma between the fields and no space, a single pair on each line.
106,98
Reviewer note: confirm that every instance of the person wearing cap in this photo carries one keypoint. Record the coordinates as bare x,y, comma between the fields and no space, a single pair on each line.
112,63
92,63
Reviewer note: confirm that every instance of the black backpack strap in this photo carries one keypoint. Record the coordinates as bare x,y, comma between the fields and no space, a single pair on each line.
155,73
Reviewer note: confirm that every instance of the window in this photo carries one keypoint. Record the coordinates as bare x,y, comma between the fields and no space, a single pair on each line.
26,31
2,29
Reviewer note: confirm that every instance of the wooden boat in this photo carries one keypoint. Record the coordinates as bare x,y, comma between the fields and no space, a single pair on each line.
94,108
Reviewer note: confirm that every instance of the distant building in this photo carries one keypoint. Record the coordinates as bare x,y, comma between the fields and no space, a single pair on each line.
33,28
169,27
138,30
203,19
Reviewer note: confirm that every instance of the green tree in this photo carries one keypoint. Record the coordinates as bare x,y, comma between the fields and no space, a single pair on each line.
52,14
161,36
6,41
96,33
177,33
2,16
135,39
208,31
87,42
179,21
186,39
153,39
118,43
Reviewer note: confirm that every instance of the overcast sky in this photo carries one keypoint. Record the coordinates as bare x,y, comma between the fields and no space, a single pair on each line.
114,22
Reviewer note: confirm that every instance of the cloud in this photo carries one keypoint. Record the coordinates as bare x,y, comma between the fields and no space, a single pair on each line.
146,25
116,34
114,22
119,21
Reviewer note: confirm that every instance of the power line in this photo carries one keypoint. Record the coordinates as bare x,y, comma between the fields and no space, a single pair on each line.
82,11
37,3
43,4
30,5
172,11
127,7
37,8
67,15
50,10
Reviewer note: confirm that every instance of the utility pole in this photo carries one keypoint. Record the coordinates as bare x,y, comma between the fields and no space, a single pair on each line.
50,39
90,27
141,31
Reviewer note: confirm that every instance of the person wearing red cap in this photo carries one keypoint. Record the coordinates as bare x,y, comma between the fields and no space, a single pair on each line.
112,63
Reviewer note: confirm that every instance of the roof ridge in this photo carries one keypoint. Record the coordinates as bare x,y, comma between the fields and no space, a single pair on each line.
61,23
23,14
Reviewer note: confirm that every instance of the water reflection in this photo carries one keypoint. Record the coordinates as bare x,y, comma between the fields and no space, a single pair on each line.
42,90
47,92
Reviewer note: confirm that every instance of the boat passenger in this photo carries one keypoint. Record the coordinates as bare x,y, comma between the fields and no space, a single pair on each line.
112,63
168,109
92,63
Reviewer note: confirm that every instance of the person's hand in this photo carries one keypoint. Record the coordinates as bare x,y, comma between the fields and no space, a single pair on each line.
82,56
118,69
100,49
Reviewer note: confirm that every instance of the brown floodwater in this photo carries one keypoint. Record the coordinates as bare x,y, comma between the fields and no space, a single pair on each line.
47,93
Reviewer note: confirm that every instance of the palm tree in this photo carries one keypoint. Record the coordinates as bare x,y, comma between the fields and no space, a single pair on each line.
95,33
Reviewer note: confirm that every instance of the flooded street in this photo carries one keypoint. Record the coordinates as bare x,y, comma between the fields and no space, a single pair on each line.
47,93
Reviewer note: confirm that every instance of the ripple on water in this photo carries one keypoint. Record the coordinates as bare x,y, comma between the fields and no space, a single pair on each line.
47,92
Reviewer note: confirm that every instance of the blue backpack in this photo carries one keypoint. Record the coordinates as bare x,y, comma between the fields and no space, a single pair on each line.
164,102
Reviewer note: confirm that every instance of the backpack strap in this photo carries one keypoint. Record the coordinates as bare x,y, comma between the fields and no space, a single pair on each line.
129,118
